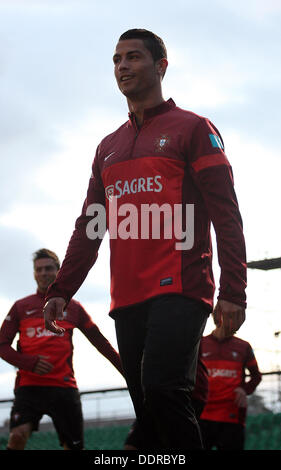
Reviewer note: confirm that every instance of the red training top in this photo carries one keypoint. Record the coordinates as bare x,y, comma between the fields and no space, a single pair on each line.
226,361
176,158
26,317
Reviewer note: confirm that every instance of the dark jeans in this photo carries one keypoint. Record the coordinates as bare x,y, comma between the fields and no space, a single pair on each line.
158,343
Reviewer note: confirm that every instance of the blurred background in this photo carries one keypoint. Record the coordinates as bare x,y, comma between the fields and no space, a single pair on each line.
58,99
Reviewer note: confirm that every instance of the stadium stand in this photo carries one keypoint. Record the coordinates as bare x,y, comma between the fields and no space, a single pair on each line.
263,433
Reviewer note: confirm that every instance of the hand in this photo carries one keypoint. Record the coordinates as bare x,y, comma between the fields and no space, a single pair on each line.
52,310
240,397
229,316
42,366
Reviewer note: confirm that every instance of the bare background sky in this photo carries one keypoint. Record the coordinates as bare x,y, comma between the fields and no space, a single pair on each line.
58,99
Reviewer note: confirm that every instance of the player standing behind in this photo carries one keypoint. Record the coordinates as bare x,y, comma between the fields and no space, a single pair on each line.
223,419
45,382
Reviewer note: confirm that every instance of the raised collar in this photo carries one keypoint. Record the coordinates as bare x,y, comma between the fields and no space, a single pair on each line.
40,294
218,340
155,110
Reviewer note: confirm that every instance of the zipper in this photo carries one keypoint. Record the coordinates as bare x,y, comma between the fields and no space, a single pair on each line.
135,137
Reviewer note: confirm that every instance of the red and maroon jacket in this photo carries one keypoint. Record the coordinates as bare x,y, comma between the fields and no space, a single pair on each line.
26,318
227,361
175,157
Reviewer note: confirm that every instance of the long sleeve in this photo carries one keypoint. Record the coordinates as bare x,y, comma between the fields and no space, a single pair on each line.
8,331
82,250
96,338
212,174
253,368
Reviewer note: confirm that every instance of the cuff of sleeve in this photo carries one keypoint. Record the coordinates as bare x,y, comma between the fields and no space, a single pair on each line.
238,300
55,291
28,363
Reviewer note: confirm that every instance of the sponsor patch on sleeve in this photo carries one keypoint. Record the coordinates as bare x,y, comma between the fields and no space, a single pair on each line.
216,141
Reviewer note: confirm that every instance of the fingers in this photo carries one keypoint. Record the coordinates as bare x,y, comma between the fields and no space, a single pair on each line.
42,367
229,325
229,316
240,397
52,310
237,318
217,316
240,317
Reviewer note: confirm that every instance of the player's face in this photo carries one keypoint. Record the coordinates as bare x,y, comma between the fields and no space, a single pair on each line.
45,271
135,71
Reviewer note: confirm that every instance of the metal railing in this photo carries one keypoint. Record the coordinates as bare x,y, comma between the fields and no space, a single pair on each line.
102,405
114,404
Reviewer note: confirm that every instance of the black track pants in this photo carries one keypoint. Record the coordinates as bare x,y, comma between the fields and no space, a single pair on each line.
158,343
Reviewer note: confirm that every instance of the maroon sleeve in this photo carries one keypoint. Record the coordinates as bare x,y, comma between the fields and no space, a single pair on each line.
8,331
82,251
255,375
96,338
212,174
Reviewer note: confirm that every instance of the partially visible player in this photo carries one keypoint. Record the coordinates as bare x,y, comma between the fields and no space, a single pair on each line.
45,382
223,419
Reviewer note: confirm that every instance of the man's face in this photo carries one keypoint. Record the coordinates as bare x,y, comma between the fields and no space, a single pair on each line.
135,71
45,271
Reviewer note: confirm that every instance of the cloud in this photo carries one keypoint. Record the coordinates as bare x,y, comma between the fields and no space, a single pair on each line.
256,170
16,248
254,10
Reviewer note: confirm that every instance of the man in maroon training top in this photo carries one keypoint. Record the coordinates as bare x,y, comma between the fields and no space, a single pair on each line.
157,183
45,382
223,419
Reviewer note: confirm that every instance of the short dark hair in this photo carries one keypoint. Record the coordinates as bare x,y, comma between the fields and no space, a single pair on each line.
45,253
151,41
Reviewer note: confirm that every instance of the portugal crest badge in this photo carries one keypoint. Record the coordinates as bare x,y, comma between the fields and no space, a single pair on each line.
161,142
109,192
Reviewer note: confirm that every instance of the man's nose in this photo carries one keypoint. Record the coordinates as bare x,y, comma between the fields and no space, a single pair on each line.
123,64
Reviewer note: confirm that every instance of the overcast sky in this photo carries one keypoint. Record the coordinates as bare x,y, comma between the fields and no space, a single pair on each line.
58,99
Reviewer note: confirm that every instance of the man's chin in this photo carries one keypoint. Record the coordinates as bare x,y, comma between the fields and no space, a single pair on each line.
128,92
44,287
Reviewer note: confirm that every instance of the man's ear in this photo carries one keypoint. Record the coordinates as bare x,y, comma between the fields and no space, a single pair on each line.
162,65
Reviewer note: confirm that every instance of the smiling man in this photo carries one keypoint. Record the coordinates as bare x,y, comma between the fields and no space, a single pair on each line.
45,382
161,291
138,72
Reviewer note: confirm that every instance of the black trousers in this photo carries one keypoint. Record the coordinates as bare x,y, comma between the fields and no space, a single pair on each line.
223,436
158,343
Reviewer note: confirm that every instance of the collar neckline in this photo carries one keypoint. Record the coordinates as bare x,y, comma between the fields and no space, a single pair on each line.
220,340
40,294
155,110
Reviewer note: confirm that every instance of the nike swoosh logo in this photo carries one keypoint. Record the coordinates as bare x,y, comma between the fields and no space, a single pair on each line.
29,312
206,354
109,156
